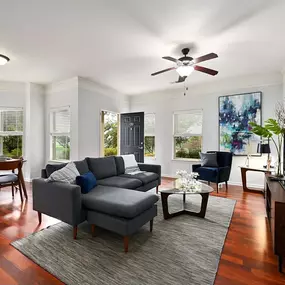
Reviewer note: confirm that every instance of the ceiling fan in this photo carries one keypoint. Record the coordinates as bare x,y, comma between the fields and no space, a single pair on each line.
186,64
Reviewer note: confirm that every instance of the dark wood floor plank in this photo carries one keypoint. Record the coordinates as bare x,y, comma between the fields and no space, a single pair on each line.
247,256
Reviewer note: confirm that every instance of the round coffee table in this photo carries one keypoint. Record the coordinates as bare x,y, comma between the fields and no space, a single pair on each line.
180,189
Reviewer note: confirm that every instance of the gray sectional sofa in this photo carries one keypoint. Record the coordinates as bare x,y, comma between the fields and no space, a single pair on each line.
119,203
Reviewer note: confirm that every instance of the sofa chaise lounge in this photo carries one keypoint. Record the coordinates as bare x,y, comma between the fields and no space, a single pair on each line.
119,203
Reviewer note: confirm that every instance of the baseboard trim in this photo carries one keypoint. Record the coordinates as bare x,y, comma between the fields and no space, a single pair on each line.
249,185
234,183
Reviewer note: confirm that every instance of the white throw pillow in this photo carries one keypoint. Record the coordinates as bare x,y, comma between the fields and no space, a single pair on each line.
67,174
131,164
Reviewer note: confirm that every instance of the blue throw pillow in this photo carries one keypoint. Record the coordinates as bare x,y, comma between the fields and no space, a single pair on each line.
86,181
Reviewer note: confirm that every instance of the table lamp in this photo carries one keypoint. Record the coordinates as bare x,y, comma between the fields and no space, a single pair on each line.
265,148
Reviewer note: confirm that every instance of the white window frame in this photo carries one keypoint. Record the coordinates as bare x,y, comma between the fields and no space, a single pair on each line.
57,134
151,157
190,111
12,133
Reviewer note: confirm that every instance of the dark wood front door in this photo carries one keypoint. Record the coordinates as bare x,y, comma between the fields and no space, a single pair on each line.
132,135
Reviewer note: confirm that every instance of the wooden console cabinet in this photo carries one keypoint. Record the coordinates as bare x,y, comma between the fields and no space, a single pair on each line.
275,209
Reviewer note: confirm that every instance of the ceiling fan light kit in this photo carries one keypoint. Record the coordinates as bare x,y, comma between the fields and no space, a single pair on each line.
186,64
184,70
3,59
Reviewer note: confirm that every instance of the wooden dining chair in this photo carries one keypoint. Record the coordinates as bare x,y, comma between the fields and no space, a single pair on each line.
11,179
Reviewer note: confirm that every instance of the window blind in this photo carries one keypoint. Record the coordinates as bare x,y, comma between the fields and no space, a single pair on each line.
188,123
11,121
149,125
60,121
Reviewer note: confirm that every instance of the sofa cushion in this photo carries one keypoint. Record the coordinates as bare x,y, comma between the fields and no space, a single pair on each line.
51,168
118,202
120,165
81,166
207,173
120,182
144,177
86,182
102,167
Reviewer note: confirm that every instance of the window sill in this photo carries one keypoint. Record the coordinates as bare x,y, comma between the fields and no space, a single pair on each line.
59,161
150,157
187,159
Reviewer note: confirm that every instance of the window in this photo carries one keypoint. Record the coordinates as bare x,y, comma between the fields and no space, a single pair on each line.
109,133
60,134
11,132
149,135
188,134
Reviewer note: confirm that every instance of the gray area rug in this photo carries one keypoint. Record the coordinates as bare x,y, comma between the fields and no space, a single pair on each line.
182,250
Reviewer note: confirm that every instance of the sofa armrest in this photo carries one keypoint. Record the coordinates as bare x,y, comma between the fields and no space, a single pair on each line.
58,200
195,167
151,168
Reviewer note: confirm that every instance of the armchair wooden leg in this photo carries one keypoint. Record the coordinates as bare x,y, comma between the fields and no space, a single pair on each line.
151,225
13,191
126,244
156,189
93,230
40,217
209,182
226,185
74,232
217,187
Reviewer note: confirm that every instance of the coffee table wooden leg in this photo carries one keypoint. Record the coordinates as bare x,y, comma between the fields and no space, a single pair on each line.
164,198
205,198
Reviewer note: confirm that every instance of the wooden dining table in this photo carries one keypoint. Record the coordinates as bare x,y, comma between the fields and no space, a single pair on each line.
20,173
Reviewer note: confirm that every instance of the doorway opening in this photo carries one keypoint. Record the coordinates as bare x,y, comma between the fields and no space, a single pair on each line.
109,133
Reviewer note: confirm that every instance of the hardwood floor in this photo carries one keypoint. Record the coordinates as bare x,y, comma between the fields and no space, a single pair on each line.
247,256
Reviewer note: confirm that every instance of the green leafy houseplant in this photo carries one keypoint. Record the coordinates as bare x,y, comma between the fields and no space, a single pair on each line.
273,127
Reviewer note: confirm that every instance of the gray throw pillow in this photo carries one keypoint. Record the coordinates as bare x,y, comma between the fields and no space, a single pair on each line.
209,159
66,174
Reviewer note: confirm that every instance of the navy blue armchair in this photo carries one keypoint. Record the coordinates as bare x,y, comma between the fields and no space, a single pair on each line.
216,174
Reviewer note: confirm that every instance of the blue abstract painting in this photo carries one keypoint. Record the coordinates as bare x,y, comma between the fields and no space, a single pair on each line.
235,113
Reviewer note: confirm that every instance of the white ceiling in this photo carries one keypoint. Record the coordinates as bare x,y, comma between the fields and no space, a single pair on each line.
119,43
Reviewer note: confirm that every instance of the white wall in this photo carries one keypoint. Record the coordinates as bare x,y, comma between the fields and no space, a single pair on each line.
92,99
30,97
12,94
57,95
34,130
164,103
86,99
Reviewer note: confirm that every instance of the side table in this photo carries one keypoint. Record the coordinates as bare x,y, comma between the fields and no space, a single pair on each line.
244,170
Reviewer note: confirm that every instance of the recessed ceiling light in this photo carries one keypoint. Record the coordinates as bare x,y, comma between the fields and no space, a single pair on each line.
3,59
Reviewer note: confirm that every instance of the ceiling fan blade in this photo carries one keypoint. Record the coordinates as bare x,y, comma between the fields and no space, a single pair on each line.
180,79
205,57
206,70
164,70
170,58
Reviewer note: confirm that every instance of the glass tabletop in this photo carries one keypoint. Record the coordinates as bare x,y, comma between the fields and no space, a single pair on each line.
188,187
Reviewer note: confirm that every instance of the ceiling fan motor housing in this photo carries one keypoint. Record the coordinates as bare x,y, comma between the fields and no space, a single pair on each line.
186,59
185,51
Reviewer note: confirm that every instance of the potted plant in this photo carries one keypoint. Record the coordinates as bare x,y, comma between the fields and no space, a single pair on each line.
273,127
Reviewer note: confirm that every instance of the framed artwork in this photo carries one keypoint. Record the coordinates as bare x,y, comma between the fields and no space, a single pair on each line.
235,113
